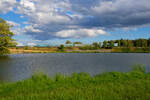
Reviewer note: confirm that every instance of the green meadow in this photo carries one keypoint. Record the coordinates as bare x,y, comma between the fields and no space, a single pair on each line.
134,85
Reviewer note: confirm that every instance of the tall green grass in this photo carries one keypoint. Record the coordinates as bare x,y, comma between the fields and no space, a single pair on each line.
134,85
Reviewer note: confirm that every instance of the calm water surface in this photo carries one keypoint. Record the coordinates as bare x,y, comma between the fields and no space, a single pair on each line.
21,66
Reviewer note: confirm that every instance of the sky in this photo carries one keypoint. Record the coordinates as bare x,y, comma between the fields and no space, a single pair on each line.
55,21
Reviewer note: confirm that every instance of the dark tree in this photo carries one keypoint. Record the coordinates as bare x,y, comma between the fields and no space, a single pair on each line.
6,40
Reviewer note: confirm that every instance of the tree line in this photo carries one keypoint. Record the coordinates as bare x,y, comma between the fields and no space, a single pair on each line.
127,43
114,43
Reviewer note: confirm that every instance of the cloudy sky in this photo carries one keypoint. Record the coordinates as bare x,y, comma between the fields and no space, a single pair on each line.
55,21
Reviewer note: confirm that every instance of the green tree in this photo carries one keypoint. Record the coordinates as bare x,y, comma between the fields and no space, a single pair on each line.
105,44
130,43
100,44
96,45
148,42
123,43
141,43
68,42
118,43
77,42
5,37
111,44
61,47
144,43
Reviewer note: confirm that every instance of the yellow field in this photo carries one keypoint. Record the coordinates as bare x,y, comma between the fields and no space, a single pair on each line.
32,50
53,50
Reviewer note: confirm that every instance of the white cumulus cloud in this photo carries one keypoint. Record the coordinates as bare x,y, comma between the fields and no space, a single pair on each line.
80,33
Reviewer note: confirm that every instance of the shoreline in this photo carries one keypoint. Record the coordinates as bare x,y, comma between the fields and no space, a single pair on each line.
44,52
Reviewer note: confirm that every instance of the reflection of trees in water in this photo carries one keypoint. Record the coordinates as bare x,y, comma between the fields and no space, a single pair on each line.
4,58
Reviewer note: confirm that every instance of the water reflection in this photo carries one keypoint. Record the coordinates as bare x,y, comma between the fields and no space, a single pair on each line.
4,58
21,66
3,61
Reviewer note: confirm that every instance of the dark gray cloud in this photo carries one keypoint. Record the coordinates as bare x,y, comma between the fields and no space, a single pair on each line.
116,13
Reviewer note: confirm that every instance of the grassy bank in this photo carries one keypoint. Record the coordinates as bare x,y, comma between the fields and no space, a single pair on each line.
77,50
131,50
133,85
54,50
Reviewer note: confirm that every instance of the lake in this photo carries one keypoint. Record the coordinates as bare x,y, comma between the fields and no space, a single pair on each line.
21,66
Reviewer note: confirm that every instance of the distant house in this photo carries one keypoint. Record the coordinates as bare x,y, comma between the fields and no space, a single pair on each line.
68,45
42,45
74,45
116,44
78,45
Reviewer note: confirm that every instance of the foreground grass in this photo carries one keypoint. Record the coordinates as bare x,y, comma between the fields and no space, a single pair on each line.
133,85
